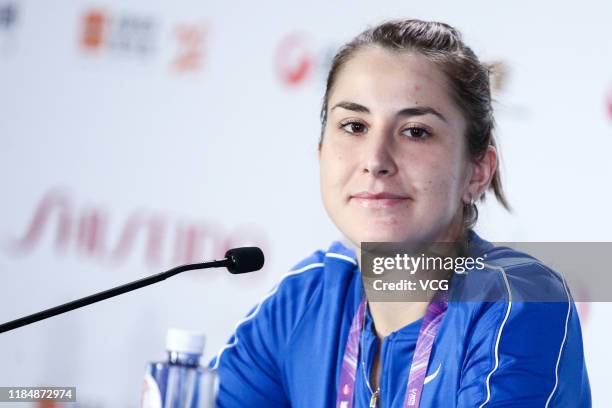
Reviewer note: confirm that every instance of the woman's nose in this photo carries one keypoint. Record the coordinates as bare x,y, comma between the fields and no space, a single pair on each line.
378,158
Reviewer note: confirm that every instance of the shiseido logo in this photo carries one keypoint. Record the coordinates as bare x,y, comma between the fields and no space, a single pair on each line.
164,241
297,61
189,54
127,34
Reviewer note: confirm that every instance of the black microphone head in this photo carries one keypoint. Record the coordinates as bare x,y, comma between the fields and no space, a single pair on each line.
245,259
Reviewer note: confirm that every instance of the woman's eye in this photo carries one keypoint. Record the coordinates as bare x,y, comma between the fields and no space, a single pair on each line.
416,132
354,127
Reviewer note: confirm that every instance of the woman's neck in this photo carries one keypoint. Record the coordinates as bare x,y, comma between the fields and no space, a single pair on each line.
389,317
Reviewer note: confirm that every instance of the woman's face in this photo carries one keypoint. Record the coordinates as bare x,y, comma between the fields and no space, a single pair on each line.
393,158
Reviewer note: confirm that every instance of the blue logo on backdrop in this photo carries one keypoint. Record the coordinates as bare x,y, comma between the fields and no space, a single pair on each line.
8,19
8,16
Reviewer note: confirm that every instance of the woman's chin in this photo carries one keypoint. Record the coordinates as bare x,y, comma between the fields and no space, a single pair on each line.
386,236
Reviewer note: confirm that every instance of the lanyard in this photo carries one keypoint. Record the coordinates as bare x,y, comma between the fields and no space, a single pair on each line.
420,360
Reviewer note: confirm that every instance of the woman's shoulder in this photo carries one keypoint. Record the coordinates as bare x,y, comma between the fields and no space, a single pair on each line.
274,319
322,270
511,274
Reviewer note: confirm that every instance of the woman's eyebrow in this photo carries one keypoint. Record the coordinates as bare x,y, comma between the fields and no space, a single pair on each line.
416,111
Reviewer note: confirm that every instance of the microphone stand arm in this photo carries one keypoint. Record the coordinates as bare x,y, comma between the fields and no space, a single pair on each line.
88,300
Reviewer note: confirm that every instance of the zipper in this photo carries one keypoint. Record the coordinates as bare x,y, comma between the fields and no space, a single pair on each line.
374,400
386,346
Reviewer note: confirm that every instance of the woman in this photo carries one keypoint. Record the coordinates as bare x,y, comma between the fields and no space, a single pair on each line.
405,153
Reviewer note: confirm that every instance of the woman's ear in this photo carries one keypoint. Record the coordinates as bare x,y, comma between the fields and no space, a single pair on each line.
482,174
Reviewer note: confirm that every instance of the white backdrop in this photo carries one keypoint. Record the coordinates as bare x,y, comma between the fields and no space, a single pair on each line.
136,135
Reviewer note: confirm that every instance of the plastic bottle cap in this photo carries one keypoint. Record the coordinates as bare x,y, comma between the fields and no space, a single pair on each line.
185,341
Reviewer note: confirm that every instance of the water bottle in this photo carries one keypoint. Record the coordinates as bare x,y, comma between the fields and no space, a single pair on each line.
176,383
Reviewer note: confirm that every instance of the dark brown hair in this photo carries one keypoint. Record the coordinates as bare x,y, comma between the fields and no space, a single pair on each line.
468,80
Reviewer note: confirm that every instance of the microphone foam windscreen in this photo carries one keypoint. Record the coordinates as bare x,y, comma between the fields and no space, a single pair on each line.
245,259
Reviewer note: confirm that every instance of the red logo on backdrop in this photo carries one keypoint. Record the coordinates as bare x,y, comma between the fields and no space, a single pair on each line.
165,240
293,60
584,311
609,104
47,404
190,39
93,29
297,62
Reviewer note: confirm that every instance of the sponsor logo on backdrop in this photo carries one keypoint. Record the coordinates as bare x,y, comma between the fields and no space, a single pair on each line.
298,62
114,34
190,39
158,238
609,104
8,22
129,34
8,16
584,311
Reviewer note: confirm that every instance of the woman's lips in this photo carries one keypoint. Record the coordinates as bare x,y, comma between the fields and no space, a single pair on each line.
378,200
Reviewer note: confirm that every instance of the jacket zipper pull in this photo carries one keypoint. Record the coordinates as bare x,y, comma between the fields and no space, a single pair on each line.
374,400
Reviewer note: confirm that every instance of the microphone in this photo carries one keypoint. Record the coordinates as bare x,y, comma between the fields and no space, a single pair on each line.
246,259
237,260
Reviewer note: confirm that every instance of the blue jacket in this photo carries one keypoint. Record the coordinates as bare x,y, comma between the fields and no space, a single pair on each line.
287,352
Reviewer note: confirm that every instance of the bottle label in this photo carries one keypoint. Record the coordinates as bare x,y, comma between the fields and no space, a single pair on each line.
151,397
